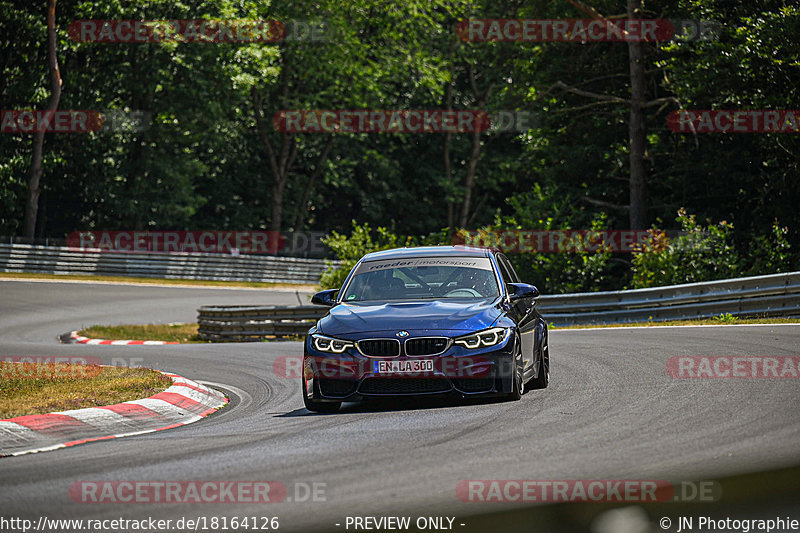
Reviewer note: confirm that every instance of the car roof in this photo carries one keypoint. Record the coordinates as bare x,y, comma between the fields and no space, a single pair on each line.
429,251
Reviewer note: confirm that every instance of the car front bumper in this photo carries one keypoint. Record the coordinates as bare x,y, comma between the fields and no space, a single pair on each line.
458,372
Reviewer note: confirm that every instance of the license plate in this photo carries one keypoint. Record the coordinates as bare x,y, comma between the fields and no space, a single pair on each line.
403,367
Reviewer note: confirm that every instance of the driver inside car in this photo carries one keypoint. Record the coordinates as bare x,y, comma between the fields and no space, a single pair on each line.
477,280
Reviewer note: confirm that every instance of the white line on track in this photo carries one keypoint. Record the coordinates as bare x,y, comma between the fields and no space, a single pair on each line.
290,288
612,328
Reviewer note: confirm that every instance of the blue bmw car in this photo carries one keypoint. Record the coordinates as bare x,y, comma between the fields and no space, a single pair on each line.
444,320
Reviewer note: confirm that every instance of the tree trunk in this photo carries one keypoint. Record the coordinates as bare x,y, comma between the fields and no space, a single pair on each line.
279,163
448,169
638,135
475,153
302,207
448,174
32,205
277,205
469,180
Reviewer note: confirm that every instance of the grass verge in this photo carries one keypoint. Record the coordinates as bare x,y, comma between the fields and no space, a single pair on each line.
155,281
718,321
37,388
184,333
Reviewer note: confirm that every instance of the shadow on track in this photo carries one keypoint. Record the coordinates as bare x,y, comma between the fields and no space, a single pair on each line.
378,405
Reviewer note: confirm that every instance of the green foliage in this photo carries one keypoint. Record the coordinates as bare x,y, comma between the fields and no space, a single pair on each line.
350,248
202,164
749,179
770,253
566,271
699,253
726,318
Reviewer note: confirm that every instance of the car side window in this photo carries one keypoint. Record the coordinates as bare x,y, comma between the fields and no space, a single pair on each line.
509,274
513,272
504,273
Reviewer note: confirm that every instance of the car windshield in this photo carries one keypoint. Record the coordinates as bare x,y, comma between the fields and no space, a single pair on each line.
422,278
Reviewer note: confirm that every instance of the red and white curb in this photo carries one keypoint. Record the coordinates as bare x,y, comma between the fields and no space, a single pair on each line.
79,339
186,401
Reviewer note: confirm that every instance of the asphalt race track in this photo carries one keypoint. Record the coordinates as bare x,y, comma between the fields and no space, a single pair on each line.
611,412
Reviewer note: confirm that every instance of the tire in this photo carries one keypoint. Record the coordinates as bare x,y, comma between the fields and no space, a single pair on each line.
317,406
518,381
543,379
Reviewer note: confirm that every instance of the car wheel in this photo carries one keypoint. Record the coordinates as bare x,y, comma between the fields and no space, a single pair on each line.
543,379
316,405
518,381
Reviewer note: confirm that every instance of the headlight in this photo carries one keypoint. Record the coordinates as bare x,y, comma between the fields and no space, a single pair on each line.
329,344
487,337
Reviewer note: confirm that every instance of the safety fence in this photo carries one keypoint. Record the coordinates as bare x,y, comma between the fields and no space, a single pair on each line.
196,266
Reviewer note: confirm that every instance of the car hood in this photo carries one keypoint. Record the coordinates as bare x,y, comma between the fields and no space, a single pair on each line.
449,314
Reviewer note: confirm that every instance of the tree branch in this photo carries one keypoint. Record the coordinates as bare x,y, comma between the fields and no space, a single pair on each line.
659,101
588,94
582,107
592,12
603,203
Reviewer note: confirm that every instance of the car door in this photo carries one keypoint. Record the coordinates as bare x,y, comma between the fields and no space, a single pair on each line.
521,312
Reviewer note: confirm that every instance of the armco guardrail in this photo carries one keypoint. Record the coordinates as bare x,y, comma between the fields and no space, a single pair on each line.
62,260
244,323
773,295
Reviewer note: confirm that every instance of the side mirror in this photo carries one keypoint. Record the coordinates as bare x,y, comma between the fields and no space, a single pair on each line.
520,291
327,297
